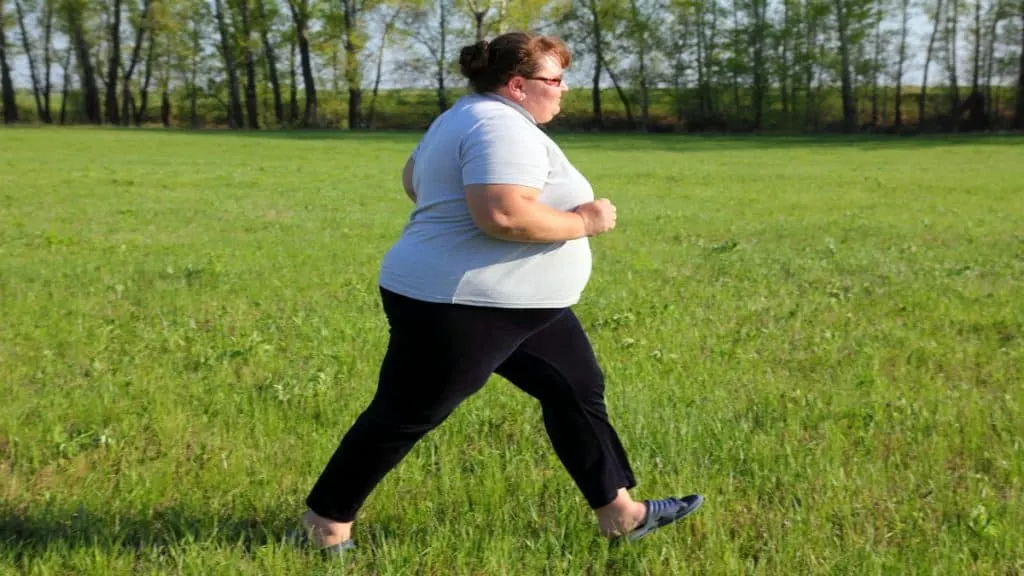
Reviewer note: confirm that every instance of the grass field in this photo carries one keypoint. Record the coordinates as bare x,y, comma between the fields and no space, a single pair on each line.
824,337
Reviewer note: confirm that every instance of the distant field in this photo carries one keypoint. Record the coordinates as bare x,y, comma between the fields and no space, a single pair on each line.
825,337
413,109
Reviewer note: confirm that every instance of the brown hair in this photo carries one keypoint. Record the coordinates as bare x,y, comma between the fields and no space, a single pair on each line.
489,65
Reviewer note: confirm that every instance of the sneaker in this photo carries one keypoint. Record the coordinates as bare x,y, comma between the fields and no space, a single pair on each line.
663,512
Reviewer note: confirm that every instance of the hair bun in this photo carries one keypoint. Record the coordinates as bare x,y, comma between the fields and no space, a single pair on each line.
473,59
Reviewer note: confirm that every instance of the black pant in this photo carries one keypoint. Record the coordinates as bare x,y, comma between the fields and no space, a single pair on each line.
439,355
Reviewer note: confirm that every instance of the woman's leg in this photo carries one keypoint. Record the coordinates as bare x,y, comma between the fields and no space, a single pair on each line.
438,355
557,366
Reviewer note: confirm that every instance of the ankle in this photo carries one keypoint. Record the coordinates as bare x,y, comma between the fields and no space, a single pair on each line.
621,515
324,531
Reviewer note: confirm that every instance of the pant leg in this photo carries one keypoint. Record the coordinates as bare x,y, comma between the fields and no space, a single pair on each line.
437,356
557,366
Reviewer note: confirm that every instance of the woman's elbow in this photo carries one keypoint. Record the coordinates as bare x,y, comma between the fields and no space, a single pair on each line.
496,223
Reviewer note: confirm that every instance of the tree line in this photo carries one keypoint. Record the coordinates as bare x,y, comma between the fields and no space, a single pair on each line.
752,65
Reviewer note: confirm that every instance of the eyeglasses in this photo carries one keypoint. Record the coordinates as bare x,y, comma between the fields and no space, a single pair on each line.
548,81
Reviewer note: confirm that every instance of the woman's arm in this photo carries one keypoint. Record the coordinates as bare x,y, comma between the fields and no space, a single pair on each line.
512,212
407,179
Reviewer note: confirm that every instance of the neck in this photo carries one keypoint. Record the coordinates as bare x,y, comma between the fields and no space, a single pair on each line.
503,95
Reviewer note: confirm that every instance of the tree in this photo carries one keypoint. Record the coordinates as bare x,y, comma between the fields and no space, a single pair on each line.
937,18
643,36
708,13
429,27
6,85
227,50
26,43
951,39
48,11
114,65
252,112
389,20
74,12
757,41
583,26
900,61
1018,119
66,73
354,40
300,17
679,45
265,24
479,11
185,36
141,24
842,10
143,110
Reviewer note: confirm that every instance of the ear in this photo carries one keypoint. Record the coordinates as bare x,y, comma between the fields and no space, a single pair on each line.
517,86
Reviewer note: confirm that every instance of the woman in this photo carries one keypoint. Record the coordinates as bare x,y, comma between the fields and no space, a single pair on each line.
480,282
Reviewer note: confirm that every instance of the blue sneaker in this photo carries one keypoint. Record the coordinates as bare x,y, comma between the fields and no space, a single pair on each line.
663,512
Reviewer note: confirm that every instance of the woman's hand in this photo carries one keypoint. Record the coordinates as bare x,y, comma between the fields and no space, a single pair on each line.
598,216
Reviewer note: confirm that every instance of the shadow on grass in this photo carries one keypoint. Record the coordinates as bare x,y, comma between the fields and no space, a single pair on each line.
29,534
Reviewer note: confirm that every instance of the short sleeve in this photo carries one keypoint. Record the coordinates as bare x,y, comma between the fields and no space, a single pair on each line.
502,151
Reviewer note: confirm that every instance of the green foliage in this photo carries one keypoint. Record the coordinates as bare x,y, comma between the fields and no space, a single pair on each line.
822,336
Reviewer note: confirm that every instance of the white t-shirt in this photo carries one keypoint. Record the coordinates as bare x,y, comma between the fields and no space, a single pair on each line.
443,256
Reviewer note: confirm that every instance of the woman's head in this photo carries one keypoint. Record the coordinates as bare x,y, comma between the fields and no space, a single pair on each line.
524,68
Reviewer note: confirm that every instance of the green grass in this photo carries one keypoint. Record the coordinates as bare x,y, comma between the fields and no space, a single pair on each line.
825,337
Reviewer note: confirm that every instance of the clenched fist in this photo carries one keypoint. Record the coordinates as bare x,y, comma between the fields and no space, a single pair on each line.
598,216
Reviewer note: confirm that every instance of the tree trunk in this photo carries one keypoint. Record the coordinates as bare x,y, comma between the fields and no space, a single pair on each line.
478,18
251,108
759,76
47,64
142,113
709,61
901,60
951,52
927,63
67,85
388,27
736,55
126,81
977,46
849,111
114,65
622,95
6,85
353,73
990,56
701,78
809,65
1018,118
293,106
165,108
275,85
193,94
595,94
642,57
300,16
784,75
442,94
84,58
26,43
235,119
876,66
